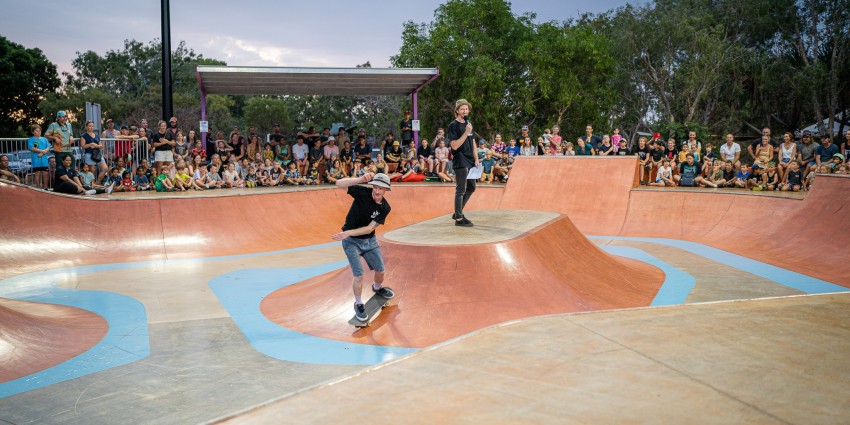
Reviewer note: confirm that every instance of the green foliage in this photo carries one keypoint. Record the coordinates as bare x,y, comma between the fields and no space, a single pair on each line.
25,76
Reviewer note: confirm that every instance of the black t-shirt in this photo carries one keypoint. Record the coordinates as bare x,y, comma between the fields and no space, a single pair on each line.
642,152
62,171
406,135
364,210
425,151
463,157
624,151
364,150
657,154
345,155
795,177
728,175
671,153
157,136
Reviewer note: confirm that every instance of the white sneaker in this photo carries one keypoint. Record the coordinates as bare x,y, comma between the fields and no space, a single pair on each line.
110,187
91,192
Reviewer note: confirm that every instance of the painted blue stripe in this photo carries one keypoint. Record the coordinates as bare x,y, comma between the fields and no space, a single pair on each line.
677,283
791,279
241,293
126,340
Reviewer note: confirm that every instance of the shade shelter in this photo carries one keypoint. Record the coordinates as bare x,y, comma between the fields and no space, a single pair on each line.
253,80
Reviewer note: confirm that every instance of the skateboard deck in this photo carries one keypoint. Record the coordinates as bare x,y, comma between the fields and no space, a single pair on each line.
373,309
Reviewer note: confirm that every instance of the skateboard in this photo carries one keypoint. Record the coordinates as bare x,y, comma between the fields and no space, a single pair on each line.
373,309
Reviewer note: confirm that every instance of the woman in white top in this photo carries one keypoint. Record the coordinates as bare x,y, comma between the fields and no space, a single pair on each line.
787,153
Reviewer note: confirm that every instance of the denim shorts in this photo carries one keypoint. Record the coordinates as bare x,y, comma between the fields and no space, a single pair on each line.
367,248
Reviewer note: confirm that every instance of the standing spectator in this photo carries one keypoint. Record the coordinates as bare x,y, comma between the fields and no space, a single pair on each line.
309,136
237,148
806,151
556,136
520,140
93,154
172,126
163,147
731,152
441,135
60,134
39,149
109,132
5,172
616,137
393,155
642,152
342,136
387,144
527,148
692,142
406,126
253,145
591,139
181,148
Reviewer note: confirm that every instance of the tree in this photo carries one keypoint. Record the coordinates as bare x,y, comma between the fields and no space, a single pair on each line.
26,75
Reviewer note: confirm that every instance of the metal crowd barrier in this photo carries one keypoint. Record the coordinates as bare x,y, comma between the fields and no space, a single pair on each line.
20,157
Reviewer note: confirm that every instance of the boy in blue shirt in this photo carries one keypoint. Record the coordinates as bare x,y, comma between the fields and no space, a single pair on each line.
742,177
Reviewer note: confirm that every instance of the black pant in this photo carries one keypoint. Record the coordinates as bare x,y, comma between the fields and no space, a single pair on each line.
463,189
64,186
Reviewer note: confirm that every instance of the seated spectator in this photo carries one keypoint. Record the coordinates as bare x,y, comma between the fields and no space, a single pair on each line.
837,159
314,176
232,178
212,180
346,158
281,153
251,179
793,178
709,151
381,165
86,176
806,150
183,181
842,169
786,153
568,149
689,172
334,172
410,171
112,182
764,152
394,155
410,152
275,174
656,154
622,149
67,179
527,149
664,177
293,177
331,150
301,154
729,174
489,166
425,156
198,151
141,180
731,151
742,177
715,178
127,183
362,151
268,153
513,150
756,180
542,147
771,179
441,159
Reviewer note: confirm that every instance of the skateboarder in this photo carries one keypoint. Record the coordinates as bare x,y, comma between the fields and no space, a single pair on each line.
368,210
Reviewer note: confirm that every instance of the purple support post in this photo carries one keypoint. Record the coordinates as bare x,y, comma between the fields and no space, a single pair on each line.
203,105
416,116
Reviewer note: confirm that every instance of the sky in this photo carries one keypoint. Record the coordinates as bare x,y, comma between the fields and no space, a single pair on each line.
322,33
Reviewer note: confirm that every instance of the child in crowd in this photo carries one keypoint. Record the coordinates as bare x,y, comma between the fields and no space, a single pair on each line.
185,180
334,172
489,164
275,175
163,181
771,177
198,150
112,182
714,178
793,178
568,149
742,177
728,174
313,174
810,179
836,160
709,151
441,157
622,149
251,178
694,149
86,176
756,180
231,177
268,153
665,175
842,169
141,180
127,183
514,150
212,180
293,177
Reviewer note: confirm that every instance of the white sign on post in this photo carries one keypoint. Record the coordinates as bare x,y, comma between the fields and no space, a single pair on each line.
415,125
204,126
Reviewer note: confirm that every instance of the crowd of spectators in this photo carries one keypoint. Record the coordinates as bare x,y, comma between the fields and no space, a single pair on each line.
174,159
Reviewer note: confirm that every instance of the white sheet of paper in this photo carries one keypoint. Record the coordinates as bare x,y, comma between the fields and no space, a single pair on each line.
475,172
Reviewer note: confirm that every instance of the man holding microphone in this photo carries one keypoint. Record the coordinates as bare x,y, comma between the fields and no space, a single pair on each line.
463,148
